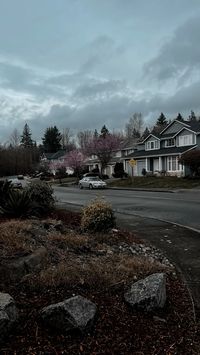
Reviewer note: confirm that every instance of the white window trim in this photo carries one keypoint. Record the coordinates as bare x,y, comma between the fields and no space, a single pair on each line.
185,138
149,143
168,146
178,167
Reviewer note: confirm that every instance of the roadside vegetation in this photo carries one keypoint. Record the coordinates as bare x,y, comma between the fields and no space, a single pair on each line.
169,182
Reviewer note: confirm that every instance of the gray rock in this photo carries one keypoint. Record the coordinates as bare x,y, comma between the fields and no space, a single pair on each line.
20,267
148,294
8,314
73,313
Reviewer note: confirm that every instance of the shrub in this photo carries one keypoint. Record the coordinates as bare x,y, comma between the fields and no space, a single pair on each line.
5,187
97,216
17,204
41,194
119,171
144,172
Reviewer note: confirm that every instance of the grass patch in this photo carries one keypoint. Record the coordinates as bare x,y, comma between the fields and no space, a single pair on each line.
169,182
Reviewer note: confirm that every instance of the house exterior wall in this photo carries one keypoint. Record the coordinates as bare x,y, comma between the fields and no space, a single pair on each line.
140,146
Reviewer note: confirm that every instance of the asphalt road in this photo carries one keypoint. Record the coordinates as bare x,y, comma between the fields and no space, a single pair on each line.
181,207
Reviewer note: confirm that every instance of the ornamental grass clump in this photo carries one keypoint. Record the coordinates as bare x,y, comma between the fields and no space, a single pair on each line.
98,216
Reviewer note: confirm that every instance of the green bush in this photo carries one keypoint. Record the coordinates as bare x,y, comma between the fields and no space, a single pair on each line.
98,216
41,194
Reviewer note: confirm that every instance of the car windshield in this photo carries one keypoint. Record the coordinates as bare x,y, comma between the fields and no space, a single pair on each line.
94,178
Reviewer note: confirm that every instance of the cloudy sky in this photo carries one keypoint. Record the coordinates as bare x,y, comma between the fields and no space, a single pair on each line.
84,63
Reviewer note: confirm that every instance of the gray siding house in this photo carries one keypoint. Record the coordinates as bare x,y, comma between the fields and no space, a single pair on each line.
160,152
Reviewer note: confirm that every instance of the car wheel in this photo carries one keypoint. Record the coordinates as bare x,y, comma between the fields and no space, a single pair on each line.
90,187
80,186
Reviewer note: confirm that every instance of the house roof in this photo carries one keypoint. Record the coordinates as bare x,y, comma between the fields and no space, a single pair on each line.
193,125
47,155
58,154
159,152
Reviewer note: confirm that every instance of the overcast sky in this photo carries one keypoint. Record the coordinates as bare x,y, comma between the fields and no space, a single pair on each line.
84,63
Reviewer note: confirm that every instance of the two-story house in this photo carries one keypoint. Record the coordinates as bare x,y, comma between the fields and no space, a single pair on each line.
161,151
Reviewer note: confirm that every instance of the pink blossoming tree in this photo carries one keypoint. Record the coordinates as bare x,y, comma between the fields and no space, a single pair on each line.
103,147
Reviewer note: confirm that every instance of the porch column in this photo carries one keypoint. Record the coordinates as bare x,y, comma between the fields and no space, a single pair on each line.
146,164
160,164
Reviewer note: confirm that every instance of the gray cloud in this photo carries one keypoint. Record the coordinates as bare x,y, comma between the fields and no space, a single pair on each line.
179,56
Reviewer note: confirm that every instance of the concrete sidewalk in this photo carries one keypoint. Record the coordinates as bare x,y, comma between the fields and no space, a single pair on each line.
180,245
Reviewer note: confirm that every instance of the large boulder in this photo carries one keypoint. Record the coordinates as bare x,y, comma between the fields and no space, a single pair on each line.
148,294
75,313
8,314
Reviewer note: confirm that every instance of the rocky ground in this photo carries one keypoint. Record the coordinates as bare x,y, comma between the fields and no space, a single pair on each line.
47,261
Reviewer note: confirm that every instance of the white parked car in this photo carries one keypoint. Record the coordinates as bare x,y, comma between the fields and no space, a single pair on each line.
92,182
15,183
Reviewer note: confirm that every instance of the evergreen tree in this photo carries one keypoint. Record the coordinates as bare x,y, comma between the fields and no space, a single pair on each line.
180,117
192,116
161,121
135,134
104,131
26,140
145,133
52,140
95,133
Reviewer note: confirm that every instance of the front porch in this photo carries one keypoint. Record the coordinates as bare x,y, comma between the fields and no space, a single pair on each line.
168,165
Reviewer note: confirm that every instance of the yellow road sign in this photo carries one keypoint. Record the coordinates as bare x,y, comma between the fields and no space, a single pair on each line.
132,162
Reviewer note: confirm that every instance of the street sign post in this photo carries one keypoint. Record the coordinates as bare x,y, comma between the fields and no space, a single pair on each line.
132,163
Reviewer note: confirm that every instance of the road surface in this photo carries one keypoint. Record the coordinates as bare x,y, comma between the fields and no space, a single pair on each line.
181,207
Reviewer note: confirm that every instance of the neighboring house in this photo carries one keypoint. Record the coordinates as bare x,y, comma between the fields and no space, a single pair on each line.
160,152
126,147
55,161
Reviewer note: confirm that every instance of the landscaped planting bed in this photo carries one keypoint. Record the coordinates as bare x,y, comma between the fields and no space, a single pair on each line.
100,267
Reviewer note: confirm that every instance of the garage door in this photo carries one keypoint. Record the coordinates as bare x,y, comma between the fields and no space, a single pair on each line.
141,164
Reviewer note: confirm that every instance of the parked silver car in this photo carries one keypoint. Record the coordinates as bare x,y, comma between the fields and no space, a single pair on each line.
15,183
92,182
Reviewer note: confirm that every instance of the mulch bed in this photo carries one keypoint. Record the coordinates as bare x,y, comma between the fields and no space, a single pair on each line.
118,329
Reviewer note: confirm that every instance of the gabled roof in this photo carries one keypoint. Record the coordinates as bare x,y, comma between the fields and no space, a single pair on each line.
58,154
184,123
47,155
193,125
52,156
160,152
152,134
128,143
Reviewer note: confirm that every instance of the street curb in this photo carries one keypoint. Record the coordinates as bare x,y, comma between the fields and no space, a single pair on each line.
141,189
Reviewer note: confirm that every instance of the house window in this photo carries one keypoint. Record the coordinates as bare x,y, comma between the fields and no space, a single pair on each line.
186,140
170,142
172,163
152,145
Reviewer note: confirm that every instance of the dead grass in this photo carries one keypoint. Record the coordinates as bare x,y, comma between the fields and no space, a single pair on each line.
94,261
14,238
70,239
95,272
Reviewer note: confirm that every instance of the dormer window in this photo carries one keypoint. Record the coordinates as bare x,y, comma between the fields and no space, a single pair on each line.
152,145
170,142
